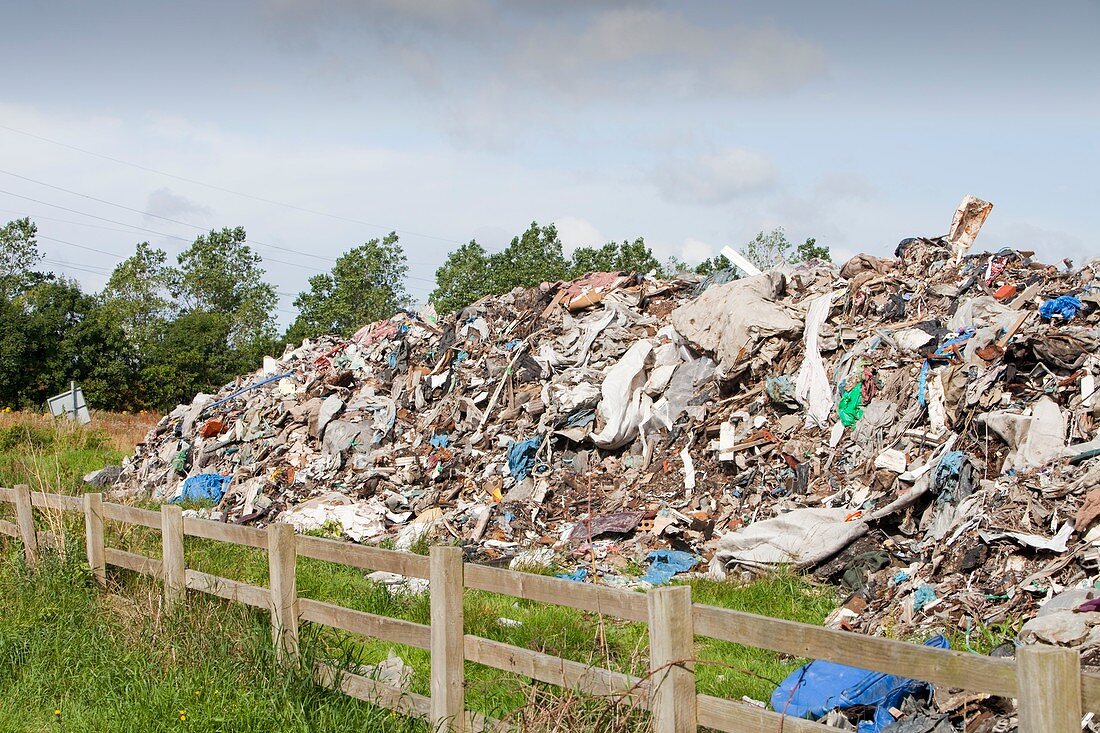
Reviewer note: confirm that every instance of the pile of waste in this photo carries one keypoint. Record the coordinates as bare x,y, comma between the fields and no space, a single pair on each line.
921,430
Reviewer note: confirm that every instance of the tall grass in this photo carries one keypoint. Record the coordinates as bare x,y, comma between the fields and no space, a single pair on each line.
214,646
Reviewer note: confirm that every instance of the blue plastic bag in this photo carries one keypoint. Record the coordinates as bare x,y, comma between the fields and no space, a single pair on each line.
818,687
203,487
1065,306
521,457
663,564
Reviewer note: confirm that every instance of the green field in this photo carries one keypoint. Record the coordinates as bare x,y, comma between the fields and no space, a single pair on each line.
116,661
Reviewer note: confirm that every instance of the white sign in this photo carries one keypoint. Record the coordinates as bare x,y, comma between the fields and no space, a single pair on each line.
70,404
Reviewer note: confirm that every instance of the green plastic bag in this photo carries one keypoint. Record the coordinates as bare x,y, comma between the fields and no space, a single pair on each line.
850,408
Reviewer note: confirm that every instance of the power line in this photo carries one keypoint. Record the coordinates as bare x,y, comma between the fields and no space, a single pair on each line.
81,246
93,270
174,236
156,216
229,190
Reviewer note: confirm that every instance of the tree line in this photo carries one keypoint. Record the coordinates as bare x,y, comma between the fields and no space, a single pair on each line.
162,330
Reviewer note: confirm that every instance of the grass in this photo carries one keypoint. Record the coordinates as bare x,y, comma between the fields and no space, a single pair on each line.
216,642
73,658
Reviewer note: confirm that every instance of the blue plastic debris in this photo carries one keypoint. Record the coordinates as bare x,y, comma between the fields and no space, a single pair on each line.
663,564
818,687
203,487
1065,306
512,344
521,457
578,575
442,440
922,596
944,349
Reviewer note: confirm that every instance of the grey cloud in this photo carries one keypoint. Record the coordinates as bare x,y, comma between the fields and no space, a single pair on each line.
648,50
163,202
845,185
1048,244
715,178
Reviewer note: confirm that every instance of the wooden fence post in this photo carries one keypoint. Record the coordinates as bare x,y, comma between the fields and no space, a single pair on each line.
93,536
671,660
282,571
172,564
1049,680
447,642
24,516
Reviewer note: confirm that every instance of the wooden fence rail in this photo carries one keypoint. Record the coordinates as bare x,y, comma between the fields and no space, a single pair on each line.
1047,682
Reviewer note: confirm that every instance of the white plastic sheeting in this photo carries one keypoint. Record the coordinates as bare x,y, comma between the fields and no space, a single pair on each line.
800,538
812,386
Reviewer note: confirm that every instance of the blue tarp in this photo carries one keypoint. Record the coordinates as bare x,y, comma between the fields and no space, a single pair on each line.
203,487
521,457
578,575
816,688
663,564
1065,306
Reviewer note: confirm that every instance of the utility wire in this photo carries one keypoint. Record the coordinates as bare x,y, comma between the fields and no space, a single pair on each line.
228,190
173,236
158,216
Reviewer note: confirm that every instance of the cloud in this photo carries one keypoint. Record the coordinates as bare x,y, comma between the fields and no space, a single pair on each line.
693,251
163,202
715,178
650,51
1049,245
576,232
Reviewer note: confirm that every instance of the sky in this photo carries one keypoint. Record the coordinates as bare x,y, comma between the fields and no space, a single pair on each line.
320,125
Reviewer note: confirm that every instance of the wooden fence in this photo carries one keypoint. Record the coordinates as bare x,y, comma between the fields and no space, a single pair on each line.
1047,681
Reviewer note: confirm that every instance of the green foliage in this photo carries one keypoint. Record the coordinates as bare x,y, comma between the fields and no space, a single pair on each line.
18,256
811,250
718,262
462,279
366,284
220,274
534,257
138,295
53,333
625,256
771,249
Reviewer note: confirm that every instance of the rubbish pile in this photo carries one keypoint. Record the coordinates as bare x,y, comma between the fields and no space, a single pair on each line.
921,430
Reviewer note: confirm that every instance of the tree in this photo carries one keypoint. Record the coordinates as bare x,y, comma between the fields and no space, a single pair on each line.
54,333
221,274
712,265
612,257
534,257
18,256
462,279
138,295
365,285
811,250
190,356
771,249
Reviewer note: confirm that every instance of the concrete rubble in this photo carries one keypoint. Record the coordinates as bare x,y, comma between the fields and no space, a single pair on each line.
921,430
